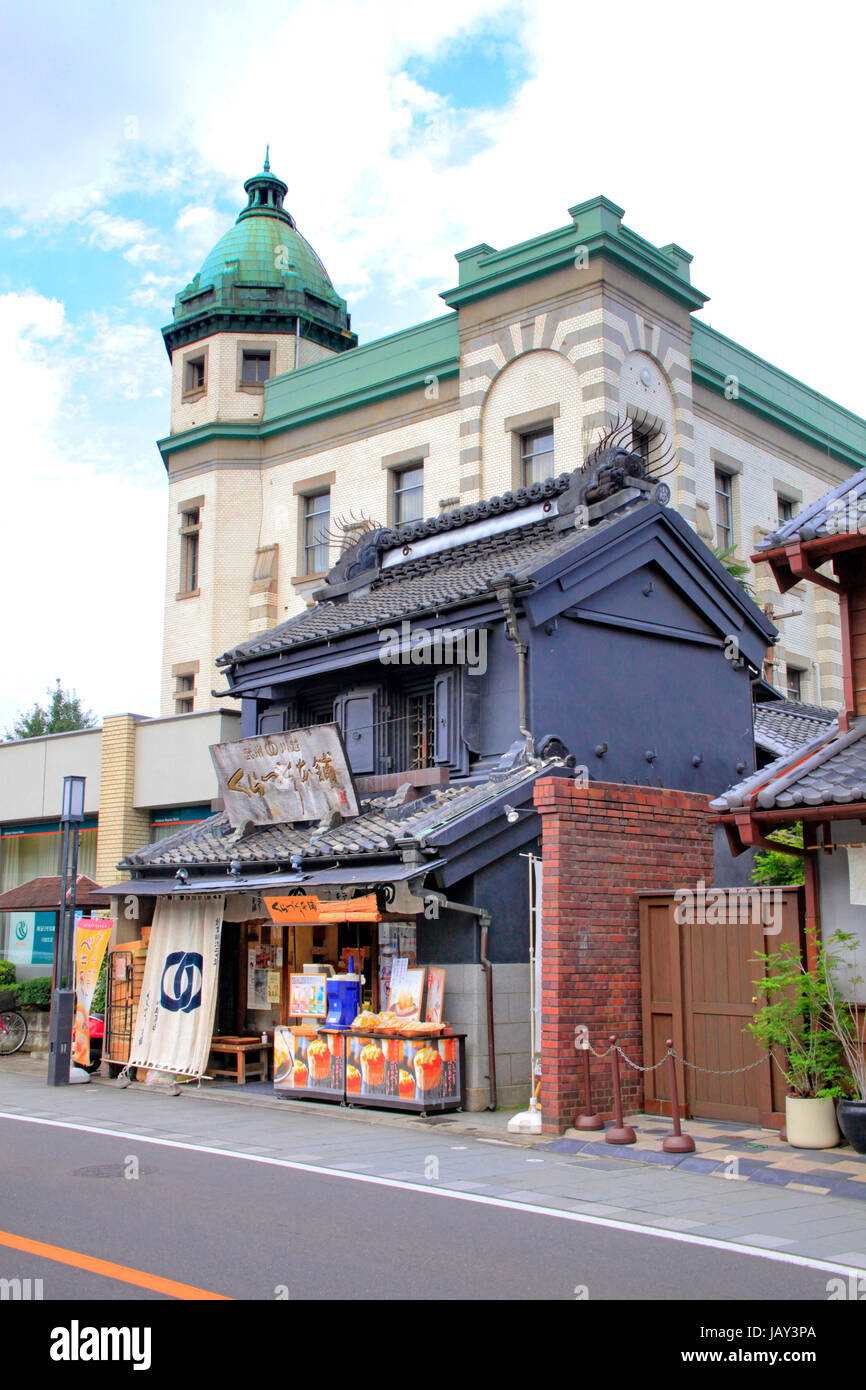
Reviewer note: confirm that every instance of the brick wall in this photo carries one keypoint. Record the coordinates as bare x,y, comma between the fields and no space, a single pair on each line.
602,845
122,829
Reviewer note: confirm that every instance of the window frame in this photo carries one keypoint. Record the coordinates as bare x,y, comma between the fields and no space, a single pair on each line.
198,357
252,347
727,493
190,548
799,672
307,548
185,686
526,457
398,493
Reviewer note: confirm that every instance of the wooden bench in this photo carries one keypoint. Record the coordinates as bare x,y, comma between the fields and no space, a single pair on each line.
250,1054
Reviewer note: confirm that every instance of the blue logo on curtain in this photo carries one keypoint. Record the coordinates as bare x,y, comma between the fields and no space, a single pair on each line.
180,988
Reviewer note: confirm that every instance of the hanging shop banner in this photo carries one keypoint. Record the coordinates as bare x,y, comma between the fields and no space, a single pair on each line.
91,943
276,778
292,911
174,1023
295,911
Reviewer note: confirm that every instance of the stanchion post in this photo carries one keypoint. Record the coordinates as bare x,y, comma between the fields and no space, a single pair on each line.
618,1133
676,1143
587,1119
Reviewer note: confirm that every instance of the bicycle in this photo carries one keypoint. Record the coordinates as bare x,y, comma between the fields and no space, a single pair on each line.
13,1025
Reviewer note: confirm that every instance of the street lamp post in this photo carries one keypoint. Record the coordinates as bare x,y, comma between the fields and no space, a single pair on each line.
63,997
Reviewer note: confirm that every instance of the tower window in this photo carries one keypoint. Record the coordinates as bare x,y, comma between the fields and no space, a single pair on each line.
255,367
785,509
194,374
408,493
536,456
190,528
317,519
184,694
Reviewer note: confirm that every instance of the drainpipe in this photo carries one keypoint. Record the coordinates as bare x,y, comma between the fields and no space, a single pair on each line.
484,923
506,599
297,341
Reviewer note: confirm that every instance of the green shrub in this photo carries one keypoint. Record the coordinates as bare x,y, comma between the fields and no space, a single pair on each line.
98,1005
34,994
774,866
7,973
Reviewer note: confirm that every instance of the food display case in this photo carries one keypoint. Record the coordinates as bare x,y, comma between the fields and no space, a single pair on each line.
422,1073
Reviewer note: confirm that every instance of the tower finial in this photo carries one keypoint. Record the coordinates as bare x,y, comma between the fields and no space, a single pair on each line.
267,168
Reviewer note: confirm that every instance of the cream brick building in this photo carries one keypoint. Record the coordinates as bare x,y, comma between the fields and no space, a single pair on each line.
285,433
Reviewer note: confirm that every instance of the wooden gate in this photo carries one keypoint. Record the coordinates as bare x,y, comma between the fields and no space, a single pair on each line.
698,987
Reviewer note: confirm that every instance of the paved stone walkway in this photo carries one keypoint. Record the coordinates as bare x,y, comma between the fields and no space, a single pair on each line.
740,1152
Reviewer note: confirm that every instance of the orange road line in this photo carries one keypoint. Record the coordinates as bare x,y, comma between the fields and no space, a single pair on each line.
155,1282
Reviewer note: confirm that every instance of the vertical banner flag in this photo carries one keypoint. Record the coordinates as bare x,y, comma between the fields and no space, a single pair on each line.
174,1023
91,943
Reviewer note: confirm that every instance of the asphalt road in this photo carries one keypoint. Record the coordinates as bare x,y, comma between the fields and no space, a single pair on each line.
250,1230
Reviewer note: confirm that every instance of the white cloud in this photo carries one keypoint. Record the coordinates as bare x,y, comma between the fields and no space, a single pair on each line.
82,549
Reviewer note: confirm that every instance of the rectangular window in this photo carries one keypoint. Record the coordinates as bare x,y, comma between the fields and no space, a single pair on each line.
255,368
184,693
794,682
641,444
190,528
317,520
408,494
193,374
421,728
785,508
724,510
536,456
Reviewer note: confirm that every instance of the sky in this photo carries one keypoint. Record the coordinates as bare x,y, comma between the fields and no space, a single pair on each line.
406,133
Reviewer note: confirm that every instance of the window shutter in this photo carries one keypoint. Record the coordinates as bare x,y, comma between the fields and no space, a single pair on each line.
356,713
448,744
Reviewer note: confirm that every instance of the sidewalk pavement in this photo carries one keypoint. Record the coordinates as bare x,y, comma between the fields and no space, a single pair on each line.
473,1153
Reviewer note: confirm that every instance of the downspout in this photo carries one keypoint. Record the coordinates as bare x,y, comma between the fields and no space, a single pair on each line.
506,599
484,923
297,341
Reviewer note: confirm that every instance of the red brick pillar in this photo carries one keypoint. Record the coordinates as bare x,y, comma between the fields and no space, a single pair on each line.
602,845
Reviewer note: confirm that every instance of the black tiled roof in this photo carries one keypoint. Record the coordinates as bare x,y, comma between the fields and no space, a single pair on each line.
210,843
783,725
829,770
419,585
821,518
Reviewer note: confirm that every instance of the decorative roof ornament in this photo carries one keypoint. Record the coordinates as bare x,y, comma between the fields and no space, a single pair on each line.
615,473
267,164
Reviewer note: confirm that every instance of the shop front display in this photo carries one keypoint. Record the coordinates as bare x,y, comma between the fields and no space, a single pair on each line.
420,1073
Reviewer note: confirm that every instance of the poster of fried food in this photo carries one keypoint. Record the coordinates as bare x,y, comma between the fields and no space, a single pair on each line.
435,995
406,995
308,1065
402,1069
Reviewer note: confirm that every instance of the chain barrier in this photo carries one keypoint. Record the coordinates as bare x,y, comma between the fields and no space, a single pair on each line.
636,1065
724,1071
693,1066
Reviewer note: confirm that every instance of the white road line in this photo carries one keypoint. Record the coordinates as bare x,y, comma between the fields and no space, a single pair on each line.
608,1223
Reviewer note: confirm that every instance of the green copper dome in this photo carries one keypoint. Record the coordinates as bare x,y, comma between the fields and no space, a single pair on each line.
262,276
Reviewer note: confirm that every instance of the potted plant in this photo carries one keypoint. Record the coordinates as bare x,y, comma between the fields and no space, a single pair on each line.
848,1024
796,1018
